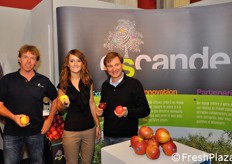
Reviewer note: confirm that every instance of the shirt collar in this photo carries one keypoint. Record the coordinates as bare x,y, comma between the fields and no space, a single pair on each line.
116,83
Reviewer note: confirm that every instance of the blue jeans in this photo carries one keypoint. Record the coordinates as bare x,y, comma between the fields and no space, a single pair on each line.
111,140
12,148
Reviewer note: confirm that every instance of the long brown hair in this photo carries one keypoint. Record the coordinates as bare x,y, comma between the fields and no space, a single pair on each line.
65,74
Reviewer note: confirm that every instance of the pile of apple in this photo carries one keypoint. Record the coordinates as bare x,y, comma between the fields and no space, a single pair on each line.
149,142
57,128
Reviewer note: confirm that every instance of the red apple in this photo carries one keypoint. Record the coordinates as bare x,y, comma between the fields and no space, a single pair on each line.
59,119
62,125
52,128
51,136
58,129
61,132
119,109
145,132
135,139
152,152
25,120
162,135
56,137
55,124
153,137
153,142
140,147
54,132
169,148
170,140
161,144
102,105
48,133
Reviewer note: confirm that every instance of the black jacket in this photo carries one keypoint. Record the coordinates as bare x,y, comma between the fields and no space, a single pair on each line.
129,93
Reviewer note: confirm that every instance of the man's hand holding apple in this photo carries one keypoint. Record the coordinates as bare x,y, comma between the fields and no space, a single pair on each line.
64,100
22,120
121,111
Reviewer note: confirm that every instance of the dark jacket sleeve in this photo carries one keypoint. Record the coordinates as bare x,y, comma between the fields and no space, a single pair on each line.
142,108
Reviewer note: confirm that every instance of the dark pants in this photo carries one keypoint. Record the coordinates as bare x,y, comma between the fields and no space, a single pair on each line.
111,140
12,146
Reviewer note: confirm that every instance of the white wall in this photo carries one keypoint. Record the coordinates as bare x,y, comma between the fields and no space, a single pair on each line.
41,36
15,30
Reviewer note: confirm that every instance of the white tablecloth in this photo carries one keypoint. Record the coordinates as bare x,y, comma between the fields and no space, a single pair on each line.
122,153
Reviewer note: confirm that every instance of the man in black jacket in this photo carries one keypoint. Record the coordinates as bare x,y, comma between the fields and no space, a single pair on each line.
22,93
121,90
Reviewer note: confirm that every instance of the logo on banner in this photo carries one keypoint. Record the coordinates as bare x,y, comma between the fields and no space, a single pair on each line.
126,38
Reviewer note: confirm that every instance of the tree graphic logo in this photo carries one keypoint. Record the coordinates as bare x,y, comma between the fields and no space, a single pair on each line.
124,38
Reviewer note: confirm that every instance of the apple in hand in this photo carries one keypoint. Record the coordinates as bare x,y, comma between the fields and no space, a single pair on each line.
102,105
119,109
25,120
64,99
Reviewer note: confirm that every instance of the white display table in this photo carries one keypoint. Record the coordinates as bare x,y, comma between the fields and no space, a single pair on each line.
122,153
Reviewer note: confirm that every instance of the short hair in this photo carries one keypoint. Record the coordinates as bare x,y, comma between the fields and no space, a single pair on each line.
25,48
110,56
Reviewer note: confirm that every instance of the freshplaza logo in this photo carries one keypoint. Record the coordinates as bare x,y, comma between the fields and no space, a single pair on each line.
185,157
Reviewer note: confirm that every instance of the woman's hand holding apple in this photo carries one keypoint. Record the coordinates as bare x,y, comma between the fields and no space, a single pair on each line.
64,100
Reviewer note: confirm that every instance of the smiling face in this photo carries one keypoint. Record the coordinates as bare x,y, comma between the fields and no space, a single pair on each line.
114,68
27,61
74,64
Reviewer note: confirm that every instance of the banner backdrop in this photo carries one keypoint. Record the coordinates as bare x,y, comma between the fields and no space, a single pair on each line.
181,56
